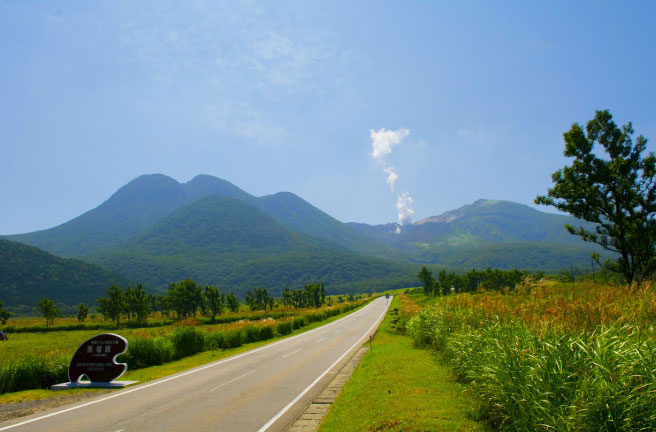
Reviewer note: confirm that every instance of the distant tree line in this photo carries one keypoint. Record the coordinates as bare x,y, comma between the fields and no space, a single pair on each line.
447,283
312,295
184,299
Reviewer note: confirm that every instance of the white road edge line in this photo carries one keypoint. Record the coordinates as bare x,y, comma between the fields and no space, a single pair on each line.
322,339
300,395
233,380
135,389
292,353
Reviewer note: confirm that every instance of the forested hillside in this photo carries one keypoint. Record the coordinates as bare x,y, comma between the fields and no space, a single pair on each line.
28,274
228,243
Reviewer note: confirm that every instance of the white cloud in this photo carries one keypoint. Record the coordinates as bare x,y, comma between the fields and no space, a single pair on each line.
383,141
405,209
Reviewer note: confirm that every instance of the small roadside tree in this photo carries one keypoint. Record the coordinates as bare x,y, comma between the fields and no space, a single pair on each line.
232,302
49,310
4,314
140,303
185,297
82,312
427,278
114,305
215,300
617,194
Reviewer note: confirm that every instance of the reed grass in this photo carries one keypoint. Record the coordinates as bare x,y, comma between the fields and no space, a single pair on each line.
549,356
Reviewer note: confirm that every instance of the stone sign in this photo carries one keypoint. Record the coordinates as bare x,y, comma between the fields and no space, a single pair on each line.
95,358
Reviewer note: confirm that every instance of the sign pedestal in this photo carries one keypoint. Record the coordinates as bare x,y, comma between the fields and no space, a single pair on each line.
90,385
96,359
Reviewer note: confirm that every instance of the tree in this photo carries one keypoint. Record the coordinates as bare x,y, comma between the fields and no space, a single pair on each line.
427,278
82,312
114,305
49,310
233,302
140,303
250,300
215,300
185,297
617,194
286,297
4,314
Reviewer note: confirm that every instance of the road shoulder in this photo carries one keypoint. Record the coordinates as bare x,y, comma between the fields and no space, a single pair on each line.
398,387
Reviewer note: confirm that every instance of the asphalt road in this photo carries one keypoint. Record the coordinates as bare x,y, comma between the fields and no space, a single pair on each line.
261,389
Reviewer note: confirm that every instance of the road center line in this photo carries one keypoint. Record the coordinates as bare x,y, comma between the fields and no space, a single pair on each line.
182,374
322,339
292,353
233,380
300,395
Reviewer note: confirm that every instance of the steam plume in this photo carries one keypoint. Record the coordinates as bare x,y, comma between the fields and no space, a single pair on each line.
391,177
404,206
382,142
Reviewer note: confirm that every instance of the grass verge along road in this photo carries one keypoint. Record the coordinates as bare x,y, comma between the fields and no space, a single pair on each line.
398,387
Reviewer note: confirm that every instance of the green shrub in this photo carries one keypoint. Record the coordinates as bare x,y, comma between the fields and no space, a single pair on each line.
216,340
32,372
234,339
267,332
284,328
187,341
147,352
299,322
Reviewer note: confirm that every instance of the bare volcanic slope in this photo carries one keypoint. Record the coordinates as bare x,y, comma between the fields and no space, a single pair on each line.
488,233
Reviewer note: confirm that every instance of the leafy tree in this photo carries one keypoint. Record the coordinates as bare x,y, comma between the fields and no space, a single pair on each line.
251,300
140,303
427,278
215,300
286,297
82,312
114,305
233,302
186,297
617,193
49,310
4,314
156,303
130,302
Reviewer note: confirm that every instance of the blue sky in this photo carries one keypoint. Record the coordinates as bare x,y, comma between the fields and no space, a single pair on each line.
284,96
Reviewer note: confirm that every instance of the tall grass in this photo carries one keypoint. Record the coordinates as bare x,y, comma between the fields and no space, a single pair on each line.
147,348
551,357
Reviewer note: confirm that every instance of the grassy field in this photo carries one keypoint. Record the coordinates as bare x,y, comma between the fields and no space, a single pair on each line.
42,358
551,356
398,387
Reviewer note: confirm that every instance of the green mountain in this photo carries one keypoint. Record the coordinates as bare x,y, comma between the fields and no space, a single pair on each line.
234,245
500,234
148,199
28,274
157,231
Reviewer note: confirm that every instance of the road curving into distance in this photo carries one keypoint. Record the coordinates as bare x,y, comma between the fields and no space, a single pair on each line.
263,389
